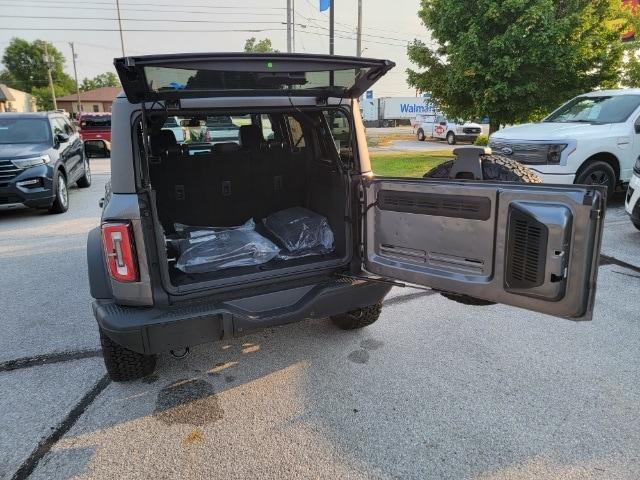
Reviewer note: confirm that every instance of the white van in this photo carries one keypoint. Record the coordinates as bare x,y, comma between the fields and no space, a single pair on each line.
436,125
593,139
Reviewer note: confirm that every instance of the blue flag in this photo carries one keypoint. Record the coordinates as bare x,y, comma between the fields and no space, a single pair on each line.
324,5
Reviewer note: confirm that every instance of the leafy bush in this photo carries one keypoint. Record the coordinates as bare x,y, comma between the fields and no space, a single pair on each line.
482,141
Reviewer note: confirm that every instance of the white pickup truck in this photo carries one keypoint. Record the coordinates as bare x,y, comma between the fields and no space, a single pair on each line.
593,139
437,126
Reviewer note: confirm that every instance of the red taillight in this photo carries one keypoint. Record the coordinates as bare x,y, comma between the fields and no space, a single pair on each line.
117,241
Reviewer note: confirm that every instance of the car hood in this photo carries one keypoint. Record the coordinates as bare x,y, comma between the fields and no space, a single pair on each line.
22,150
551,131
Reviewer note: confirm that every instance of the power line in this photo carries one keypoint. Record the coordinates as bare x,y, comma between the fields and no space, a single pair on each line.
142,19
139,9
59,29
139,4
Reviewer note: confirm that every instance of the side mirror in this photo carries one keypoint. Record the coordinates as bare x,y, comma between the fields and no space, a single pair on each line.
637,127
62,138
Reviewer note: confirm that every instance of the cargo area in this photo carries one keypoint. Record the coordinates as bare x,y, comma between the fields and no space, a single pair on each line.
247,194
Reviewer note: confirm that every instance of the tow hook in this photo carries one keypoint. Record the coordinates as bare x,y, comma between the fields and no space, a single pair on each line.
180,353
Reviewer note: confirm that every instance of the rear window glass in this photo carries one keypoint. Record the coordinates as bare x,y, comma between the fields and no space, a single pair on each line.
95,123
167,79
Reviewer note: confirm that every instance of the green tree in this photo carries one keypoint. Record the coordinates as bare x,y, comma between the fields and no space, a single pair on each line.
25,62
106,79
515,60
252,45
43,96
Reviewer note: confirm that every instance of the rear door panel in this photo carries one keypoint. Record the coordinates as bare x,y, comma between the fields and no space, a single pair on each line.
528,245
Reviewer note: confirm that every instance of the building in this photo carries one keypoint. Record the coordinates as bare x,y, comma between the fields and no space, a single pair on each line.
98,100
12,100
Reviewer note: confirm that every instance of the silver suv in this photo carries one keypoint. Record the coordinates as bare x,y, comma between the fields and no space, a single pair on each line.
283,220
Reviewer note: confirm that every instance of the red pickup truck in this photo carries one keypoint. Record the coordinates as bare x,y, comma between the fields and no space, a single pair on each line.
95,126
95,131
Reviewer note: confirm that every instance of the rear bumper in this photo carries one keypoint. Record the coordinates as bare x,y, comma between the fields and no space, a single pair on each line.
155,330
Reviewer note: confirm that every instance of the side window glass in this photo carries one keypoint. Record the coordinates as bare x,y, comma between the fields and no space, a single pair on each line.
68,129
267,127
297,135
340,130
58,126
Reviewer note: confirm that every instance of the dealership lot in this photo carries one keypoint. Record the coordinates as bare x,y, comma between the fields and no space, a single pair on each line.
433,390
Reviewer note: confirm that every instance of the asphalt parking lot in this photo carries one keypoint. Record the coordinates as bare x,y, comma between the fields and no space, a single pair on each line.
434,389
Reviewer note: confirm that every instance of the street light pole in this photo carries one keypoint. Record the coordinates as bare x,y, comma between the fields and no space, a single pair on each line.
75,74
48,62
120,27
332,21
288,26
359,35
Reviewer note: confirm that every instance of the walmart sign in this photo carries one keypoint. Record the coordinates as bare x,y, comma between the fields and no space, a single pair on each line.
415,108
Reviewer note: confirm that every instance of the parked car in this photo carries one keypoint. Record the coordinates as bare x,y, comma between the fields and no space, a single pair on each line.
434,125
41,154
632,202
198,244
95,131
591,140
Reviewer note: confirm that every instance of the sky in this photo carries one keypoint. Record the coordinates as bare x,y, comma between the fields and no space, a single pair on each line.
387,26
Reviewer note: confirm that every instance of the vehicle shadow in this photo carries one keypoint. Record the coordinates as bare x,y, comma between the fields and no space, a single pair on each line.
456,398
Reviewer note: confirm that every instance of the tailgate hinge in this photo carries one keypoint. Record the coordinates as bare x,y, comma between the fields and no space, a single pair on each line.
388,281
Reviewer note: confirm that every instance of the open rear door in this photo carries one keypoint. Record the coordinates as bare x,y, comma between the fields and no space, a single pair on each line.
173,77
528,245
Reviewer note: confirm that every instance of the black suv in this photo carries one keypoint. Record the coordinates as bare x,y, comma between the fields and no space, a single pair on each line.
283,219
41,154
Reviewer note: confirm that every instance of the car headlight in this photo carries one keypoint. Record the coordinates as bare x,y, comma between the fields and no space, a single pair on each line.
555,152
636,167
31,162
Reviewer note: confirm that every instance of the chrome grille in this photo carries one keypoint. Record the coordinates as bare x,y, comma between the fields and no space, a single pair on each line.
473,130
522,152
7,171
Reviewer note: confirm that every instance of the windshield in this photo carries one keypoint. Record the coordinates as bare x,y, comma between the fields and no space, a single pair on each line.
597,110
24,130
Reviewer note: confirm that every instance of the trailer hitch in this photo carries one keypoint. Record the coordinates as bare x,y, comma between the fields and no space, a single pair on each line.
468,164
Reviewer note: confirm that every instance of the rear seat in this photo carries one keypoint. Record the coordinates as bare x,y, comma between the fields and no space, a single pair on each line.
167,175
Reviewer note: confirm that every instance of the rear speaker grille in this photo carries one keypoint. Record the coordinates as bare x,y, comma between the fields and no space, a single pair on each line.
526,251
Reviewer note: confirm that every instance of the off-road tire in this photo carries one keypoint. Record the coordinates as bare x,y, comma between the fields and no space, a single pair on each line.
421,136
59,205
494,168
359,318
124,365
85,180
636,224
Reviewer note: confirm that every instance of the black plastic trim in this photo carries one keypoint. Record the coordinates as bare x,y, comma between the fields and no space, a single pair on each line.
435,204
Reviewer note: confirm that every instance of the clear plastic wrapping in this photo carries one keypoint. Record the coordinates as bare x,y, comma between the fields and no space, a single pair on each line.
301,232
208,249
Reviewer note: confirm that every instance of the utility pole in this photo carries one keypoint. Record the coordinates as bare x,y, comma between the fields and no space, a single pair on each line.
293,26
120,26
359,36
289,26
75,74
332,21
49,63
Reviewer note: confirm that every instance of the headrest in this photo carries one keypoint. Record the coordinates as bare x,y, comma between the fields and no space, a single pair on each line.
163,142
250,137
226,147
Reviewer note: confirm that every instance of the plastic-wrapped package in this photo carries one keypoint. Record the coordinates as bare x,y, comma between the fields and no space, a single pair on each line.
301,232
208,249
